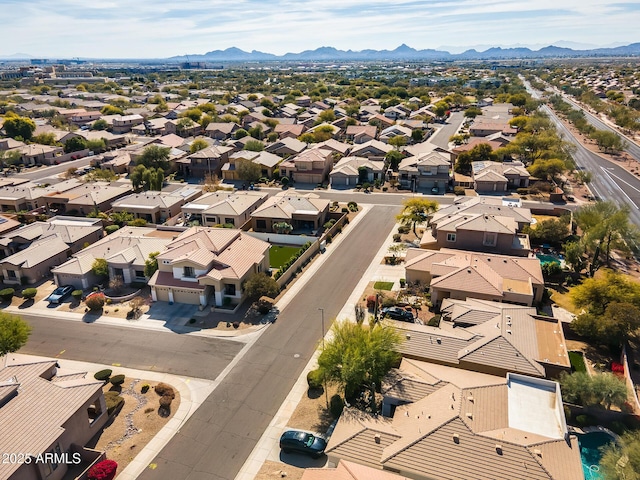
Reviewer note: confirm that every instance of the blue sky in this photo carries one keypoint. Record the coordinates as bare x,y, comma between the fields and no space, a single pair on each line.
163,28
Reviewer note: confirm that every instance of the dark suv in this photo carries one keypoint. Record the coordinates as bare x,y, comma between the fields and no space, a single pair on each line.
397,313
296,441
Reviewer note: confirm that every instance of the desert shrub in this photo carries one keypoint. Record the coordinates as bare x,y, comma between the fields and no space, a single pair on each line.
314,379
103,375
397,237
264,305
551,269
77,294
7,294
236,325
284,181
345,210
113,401
165,401
104,470
164,390
403,282
95,302
29,293
388,302
336,404
111,228
117,380
330,223
460,191
404,229
145,388
371,302
353,206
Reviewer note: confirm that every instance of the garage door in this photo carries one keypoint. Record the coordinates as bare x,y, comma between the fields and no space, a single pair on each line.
162,294
186,296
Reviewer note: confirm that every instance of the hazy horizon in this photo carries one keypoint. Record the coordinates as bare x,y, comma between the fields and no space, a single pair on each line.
161,29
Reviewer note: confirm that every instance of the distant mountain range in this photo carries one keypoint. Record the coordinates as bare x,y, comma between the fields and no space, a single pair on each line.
404,52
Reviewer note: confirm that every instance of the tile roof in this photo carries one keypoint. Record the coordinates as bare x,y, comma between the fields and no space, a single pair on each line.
284,206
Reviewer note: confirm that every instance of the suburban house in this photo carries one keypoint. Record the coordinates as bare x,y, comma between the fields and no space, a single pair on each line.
221,131
373,150
483,224
124,124
267,161
286,147
207,265
35,154
361,133
289,130
222,207
31,251
311,166
118,162
491,177
395,131
489,337
346,470
47,409
82,118
301,211
30,196
483,129
512,429
460,274
125,251
87,198
208,161
426,171
351,171
154,207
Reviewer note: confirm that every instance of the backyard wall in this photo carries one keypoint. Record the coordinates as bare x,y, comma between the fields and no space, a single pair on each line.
282,239
306,256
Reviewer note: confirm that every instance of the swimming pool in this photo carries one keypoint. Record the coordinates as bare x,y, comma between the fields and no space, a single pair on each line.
545,258
590,454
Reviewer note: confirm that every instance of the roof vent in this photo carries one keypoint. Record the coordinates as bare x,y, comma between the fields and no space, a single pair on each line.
376,438
509,317
498,449
509,331
470,415
456,438
408,336
470,398
439,340
538,452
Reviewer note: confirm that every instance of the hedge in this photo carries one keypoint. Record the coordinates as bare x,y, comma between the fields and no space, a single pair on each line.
113,401
111,228
7,294
117,380
103,375
292,260
314,379
29,293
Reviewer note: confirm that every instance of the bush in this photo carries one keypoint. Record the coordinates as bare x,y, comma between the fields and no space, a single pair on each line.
284,181
117,380
353,206
113,401
29,293
336,405
95,302
164,390
103,375
77,294
165,401
111,228
403,282
345,210
145,388
404,229
104,470
314,379
551,269
397,237
330,223
7,294
460,191
371,303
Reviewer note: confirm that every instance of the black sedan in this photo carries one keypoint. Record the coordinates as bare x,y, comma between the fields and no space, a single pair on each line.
397,313
59,294
297,441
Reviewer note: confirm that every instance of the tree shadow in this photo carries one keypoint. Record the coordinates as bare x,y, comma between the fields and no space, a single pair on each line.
91,316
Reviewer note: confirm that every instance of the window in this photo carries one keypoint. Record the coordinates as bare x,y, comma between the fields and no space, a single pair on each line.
261,224
490,239
230,221
140,273
188,272
451,237
11,273
230,289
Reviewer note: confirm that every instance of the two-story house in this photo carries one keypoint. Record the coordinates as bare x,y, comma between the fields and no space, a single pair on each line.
350,171
311,166
429,171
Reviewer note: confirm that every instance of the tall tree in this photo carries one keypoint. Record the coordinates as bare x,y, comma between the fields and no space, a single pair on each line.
14,333
155,156
16,126
416,210
357,357
621,459
248,170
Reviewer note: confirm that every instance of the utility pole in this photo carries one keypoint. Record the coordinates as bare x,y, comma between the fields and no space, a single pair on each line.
324,377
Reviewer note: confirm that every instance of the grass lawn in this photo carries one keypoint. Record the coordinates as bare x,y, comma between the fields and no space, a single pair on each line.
577,361
280,254
383,285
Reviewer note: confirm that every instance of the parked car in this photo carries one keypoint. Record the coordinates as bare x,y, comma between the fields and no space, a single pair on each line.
298,441
60,293
397,313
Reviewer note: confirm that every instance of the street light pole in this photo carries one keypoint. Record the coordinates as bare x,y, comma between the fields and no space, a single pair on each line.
324,376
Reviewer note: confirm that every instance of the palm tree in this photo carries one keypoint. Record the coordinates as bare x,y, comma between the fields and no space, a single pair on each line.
416,210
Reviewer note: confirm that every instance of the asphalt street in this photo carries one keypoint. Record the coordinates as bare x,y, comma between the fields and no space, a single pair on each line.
219,437
441,137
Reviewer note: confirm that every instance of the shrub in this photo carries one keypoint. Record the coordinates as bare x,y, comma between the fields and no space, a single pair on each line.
77,294
145,388
104,470
314,379
113,401
345,210
353,206
95,302
103,375
404,229
7,294
117,380
371,302
111,228
388,302
397,237
330,223
165,401
236,325
459,191
551,269
403,282
336,405
163,390
29,293
284,181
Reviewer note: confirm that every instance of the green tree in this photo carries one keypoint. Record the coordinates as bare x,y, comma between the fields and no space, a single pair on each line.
603,389
547,169
100,268
111,110
121,218
197,145
97,145
574,255
184,124
100,125
549,231
595,294
192,113
417,135
357,357
393,159
397,141
282,227
10,158
472,112
256,132
416,210
259,285
327,116
608,142
47,138
17,126
254,146
14,333
240,133
479,153
248,170
151,264
155,156
75,144
621,460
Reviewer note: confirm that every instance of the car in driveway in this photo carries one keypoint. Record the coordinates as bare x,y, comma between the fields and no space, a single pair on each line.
397,313
59,294
299,441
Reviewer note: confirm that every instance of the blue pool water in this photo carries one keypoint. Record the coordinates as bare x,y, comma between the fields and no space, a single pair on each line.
544,258
590,445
